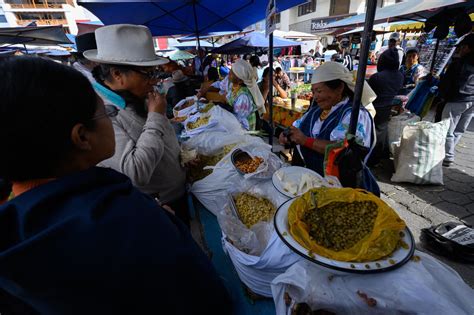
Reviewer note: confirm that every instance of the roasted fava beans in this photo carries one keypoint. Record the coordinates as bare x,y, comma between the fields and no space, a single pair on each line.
340,225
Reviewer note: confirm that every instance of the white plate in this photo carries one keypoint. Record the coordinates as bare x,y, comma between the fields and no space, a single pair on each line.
294,174
399,256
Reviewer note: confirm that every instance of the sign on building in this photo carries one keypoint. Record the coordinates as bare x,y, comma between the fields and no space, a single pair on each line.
321,23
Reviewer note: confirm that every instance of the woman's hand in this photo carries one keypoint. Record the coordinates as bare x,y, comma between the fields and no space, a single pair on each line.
282,139
157,103
297,136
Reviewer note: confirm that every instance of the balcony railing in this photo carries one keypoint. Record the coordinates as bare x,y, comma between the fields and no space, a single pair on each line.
36,6
43,22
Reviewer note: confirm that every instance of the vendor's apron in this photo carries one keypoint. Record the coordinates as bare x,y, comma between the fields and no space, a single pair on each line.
313,159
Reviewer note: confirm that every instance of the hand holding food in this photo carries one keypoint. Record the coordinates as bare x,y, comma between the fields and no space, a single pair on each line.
156,103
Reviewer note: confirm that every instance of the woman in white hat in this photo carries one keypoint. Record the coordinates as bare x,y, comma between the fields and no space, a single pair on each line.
147,149
244,95
328,119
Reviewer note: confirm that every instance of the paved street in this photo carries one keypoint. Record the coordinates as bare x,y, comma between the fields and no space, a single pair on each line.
423,206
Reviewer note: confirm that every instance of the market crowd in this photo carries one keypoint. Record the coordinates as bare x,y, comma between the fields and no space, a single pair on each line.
97,218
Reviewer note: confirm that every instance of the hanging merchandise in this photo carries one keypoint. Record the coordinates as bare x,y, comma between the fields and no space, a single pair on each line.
446,48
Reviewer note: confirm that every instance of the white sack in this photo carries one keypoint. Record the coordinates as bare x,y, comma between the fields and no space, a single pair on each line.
396,125
420,155
425,287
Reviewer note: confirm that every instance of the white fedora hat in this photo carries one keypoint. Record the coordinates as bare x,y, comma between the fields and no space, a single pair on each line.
124,44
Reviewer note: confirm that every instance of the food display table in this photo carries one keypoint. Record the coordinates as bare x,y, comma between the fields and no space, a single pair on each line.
284,115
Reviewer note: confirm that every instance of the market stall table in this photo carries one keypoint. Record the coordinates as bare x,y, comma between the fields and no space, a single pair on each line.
284,115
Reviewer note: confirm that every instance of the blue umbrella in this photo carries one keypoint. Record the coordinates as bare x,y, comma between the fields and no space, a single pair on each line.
165,17
252,41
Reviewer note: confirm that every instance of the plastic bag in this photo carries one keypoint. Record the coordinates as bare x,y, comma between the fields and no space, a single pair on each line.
420,155
219,120
212,142
271,163
380,243
425,287
250,240
396,125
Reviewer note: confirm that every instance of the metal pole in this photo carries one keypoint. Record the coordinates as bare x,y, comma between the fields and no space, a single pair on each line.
270,88
196,28
364,53
433,62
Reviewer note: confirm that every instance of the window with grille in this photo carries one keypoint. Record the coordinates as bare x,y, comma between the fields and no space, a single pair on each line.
339,7
307,8
277,18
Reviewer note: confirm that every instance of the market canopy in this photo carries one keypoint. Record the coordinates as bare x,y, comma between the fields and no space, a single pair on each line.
165,17
295,35
252,41
411,10
46,35
193,44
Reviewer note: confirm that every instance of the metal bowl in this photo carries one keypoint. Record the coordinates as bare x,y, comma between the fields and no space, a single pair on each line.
239,156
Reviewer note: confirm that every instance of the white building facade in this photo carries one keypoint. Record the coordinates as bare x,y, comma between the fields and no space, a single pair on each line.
44,12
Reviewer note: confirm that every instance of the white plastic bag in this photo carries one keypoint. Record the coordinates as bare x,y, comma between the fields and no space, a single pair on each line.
271,163
424,287
212,142
396,125
257,254
420,155
249,240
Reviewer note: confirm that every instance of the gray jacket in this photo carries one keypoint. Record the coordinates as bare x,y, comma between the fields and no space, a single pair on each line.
147,151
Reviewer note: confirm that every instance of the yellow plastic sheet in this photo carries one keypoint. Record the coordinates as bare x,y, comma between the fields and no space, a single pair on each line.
381,242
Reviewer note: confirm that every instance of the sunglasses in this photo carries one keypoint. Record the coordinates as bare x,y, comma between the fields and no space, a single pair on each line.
109,111
151,74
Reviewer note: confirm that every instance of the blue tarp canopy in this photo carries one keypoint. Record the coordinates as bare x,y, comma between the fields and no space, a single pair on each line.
249,42
410,10
165,17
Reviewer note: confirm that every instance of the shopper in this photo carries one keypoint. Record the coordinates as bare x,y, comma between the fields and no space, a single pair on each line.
386,83
457,89
80,239
282,79
394,42
181,88
147,149
412,71
84,42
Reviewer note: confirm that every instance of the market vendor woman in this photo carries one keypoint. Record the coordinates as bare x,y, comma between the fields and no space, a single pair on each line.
244,95
328,119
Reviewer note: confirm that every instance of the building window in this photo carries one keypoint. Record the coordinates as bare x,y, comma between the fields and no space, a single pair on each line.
41,18
380,3
339,7
307,8
3,19
277,18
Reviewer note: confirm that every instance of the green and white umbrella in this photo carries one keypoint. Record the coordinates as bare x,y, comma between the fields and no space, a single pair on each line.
181,55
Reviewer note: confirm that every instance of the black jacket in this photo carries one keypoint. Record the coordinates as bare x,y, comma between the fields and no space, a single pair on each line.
457,85
388,80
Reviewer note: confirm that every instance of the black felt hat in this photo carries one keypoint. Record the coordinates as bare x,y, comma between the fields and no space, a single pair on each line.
85,42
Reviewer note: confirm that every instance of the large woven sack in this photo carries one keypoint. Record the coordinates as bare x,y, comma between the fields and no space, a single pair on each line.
396,125
420,155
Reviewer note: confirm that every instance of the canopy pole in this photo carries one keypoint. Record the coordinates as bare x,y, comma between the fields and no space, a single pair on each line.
361,69
433,62
196,28
270,88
